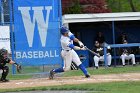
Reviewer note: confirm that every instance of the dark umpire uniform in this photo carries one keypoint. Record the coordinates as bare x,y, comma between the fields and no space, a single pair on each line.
3,61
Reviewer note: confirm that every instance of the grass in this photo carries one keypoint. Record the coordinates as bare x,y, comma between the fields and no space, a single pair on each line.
19,77
122,5
102,70
112,87
111,70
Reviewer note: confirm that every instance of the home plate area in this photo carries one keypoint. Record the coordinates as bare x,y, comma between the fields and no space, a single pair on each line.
69,80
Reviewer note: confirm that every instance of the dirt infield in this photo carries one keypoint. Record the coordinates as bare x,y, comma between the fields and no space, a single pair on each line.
70,80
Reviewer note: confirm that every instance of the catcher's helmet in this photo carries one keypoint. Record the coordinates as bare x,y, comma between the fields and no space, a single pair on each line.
3,51
64,30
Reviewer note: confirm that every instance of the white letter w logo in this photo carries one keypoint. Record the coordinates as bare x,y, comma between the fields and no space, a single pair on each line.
38,18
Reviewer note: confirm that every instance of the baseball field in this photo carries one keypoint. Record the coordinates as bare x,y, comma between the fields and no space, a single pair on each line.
104,80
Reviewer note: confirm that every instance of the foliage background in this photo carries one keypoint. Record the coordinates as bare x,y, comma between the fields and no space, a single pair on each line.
99,6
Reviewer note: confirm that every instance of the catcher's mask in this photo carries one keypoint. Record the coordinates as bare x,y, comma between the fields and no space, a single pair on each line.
3,52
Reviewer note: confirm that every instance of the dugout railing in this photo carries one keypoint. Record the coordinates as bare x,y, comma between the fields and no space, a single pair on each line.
114,46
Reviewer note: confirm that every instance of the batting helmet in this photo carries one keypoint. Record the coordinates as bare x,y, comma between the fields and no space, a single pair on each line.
64,30
3,51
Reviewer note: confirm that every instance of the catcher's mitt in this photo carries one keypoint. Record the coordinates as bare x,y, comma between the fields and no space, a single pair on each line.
19,68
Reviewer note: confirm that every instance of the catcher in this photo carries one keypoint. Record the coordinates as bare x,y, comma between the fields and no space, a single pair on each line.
3,68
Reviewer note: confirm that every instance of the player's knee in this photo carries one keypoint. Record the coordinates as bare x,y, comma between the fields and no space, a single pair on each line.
6,68
122,56
78,63
96,58
109,57
132,55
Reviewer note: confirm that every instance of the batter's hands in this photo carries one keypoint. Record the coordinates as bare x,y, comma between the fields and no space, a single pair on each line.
81,44
83,48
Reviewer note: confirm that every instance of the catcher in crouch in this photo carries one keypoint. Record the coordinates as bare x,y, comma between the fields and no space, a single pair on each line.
3,68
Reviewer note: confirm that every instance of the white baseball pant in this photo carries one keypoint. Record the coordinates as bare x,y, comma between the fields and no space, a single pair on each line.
128,57
101,58
69,57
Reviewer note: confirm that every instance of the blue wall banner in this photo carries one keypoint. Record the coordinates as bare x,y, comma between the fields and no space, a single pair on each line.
36,30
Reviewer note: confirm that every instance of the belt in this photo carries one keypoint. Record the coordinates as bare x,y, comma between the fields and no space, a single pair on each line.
67,50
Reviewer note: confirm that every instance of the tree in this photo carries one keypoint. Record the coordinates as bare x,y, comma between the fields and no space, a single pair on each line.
132,5
65,6
71,7
84,6
94,6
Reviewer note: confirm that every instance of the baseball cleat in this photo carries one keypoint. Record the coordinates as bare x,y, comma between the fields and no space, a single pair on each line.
51,76
97,67
4,80
87,76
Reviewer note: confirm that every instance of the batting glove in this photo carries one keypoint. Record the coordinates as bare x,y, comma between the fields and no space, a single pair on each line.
81,44
83,48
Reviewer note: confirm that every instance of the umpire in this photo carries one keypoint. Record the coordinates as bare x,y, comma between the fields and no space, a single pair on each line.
5,69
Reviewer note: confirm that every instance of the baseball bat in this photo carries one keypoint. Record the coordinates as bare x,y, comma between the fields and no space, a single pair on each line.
94,53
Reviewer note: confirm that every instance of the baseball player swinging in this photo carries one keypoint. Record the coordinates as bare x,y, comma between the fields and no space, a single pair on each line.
68,54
